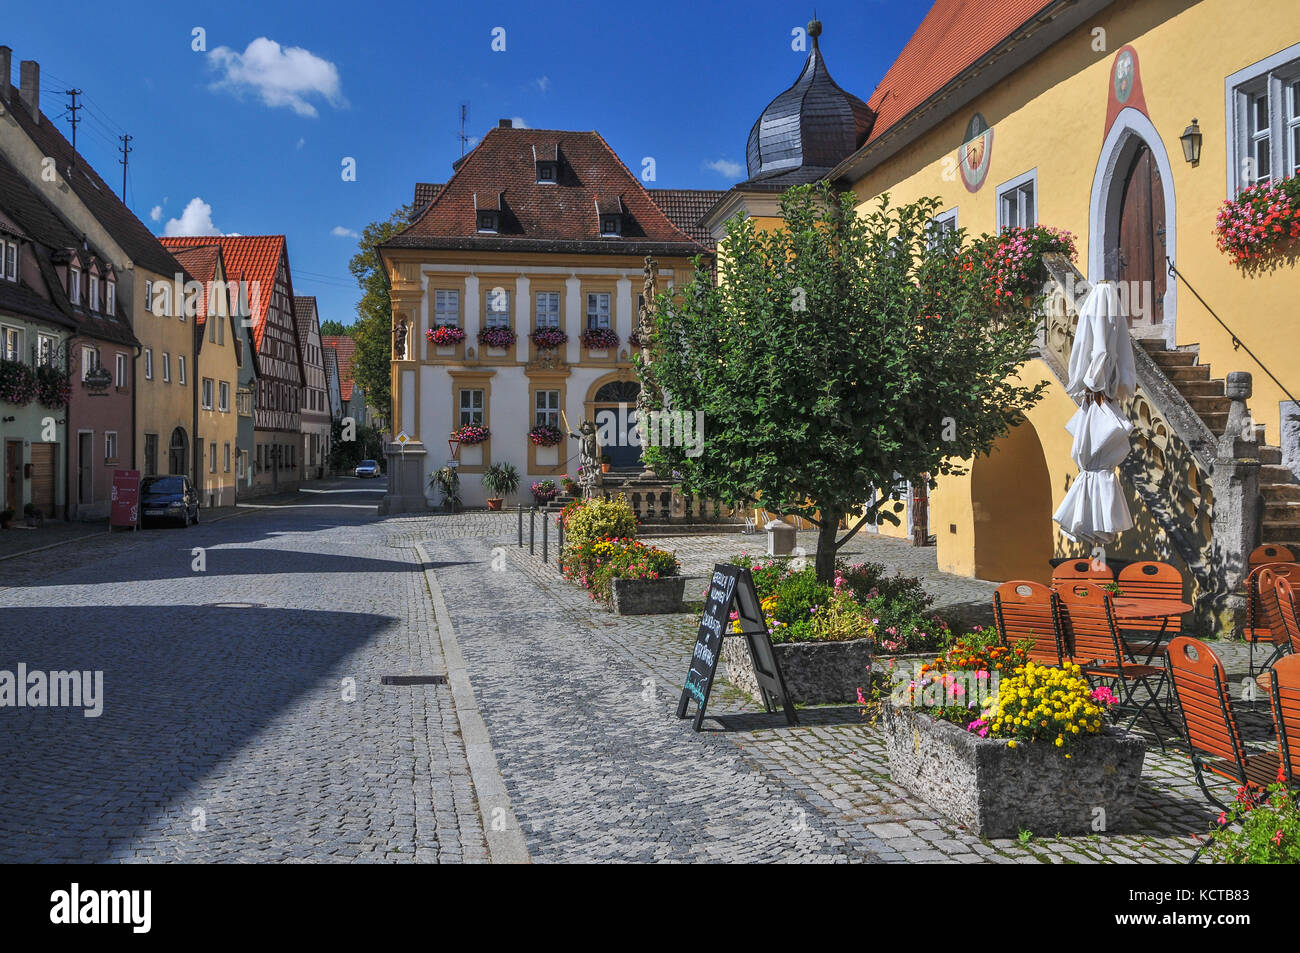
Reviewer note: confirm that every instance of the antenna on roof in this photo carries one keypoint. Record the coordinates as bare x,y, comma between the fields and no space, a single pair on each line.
72,113
126,151
464,118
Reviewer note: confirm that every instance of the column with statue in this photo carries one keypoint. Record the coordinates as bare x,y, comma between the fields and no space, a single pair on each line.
648,396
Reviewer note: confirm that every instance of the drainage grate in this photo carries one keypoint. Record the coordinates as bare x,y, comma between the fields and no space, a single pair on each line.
413,680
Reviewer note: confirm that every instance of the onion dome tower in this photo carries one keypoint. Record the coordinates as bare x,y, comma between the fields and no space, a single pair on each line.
808,129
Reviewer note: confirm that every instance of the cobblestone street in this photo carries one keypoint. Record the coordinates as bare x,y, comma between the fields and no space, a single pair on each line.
244,719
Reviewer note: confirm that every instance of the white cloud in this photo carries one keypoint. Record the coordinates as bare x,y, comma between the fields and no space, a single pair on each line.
725,167
195,220
155,213
518,122
281,76
543,83
338,231
301,142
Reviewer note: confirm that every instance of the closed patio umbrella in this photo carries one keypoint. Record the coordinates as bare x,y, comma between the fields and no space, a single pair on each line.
1102,373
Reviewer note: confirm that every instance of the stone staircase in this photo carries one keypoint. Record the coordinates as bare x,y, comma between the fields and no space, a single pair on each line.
1278,487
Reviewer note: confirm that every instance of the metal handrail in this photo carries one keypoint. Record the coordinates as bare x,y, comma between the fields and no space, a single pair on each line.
1237,343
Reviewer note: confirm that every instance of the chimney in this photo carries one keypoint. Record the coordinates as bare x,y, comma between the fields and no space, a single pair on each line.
30,79
6,72
505,124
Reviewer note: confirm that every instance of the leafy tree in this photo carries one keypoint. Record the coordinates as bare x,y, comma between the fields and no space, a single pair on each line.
372,367
838,356
368,444
333,327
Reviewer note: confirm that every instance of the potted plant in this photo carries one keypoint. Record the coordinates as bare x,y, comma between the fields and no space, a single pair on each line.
445,335
545,435
544,491
501,479
604,463
571,487
6,517
33,514
599,339
447,482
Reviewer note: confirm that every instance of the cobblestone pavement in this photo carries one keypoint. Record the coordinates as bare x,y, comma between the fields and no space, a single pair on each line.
583,751
227,733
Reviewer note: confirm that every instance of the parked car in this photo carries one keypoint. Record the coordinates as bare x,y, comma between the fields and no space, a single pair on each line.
168,498
368,468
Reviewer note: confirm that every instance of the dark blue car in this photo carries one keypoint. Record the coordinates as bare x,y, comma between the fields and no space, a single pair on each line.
168,498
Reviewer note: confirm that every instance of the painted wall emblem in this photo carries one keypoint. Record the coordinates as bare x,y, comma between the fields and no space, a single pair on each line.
1123,82
1125,89
975,153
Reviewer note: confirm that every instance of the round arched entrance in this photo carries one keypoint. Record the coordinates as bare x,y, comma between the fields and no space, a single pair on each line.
1011,495
178,453
612,405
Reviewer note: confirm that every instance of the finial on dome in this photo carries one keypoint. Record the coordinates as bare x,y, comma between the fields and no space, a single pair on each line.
814,28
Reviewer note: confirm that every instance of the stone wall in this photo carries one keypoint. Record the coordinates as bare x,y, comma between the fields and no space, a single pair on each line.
815,673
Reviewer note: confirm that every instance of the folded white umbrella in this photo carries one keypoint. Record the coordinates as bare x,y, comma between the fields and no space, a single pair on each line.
1094,510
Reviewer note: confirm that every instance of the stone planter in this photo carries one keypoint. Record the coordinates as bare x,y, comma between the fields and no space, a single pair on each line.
647,596
816,673
998,791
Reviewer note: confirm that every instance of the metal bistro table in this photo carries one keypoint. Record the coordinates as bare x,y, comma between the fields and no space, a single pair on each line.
1130,609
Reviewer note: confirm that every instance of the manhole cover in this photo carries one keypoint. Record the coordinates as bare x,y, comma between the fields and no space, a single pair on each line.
413,680
234,605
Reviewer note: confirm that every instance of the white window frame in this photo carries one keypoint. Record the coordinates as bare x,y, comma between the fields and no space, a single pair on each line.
942,223
167,367
110,445
599,314
120,372
89,360
494,317
212,457
11,343
148,363
538,311
94,292
209,386
1026,181
9,266
1270,77
223,398
226,458
46,346
472,410
446,307
550,413
74,285
180,368
110,298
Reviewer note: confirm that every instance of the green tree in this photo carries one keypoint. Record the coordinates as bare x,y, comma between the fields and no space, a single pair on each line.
838,356
333,327
372,362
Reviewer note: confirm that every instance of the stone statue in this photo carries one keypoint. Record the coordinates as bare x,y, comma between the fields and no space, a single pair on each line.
649,394
589,456
649,288
399,340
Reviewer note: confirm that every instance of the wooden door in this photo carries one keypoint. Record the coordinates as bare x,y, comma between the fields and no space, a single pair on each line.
44,467
14,476
1141,258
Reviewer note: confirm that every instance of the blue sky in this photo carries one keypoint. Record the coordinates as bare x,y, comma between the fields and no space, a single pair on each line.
256,127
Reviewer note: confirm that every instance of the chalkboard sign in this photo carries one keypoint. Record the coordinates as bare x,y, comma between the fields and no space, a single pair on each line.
732,585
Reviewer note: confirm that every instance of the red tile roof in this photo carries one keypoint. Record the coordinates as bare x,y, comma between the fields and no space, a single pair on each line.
544,217
251,258
951,38
304,310
200,263
426,192
686,208
345,348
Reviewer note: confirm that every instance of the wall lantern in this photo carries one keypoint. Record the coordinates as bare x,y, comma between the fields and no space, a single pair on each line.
1191,139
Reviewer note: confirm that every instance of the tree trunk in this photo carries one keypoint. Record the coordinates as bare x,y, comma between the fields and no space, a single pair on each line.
826,547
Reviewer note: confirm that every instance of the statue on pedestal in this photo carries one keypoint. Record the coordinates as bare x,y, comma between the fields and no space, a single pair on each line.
399,340
589,457
645,330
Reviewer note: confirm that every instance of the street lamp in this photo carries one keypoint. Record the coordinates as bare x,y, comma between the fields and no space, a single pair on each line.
1191,140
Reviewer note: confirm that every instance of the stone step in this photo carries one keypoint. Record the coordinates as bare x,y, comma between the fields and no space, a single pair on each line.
1269,455
1174,358
1209,405
1192,372
1217,423
1278,493
1282,511
1275,473
1210,388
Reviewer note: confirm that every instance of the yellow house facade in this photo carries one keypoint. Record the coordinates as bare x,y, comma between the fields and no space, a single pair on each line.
1069,126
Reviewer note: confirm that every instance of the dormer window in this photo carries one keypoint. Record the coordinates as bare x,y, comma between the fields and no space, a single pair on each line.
489,221
110,298
546,159
609,214
74,285
611,226
9,261
547,173
94,292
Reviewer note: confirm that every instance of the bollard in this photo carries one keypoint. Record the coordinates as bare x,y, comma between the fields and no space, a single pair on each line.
532,528
559,521
546,536
521,526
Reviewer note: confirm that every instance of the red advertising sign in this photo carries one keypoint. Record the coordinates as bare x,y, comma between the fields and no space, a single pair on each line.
126,498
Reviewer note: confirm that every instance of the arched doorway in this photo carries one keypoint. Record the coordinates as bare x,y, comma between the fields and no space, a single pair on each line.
178,453
1132,224
613,408
1011,495
1138,250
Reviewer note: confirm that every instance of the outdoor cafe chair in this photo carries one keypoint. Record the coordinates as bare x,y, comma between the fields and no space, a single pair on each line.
1267,627
1284,683
1201,691
1270,553
1151,580
1089,627
1082,570
1024,610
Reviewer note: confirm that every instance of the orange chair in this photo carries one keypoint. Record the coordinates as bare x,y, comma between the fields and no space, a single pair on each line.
1257,630
1082,570
1151,580
1284,680
1201,691
1270,553
1024,610
1089,628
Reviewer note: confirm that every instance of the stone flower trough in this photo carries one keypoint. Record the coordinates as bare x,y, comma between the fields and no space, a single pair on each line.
816,673
647,596
997,791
